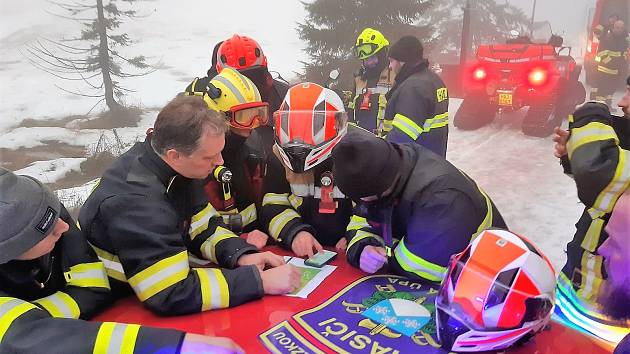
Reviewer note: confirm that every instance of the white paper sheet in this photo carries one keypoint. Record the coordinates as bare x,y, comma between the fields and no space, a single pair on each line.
311,276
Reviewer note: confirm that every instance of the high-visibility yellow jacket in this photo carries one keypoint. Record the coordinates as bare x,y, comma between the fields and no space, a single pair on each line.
143,219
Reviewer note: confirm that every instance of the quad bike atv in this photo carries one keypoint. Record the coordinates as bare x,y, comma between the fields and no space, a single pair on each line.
507,77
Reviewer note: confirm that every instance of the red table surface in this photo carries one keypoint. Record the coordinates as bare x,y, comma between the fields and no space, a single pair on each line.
245,322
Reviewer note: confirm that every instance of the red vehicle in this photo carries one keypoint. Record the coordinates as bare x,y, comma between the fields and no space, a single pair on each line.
537,72
598,24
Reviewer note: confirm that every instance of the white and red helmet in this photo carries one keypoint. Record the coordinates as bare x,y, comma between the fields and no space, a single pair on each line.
498,291
310,122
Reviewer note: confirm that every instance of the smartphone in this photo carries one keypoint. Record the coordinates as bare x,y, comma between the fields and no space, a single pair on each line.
319,259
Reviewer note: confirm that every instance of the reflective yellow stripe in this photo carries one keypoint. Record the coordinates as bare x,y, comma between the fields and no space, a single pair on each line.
407,126
593,233
295,201
439,121
199,221
360,235
215,293
248,215
605,70
488,219
116,338
10,310
160,275
589,133
209,247
417,265
357,223
88,275
280,221
112,264
592,278
276,199
621,181
60,304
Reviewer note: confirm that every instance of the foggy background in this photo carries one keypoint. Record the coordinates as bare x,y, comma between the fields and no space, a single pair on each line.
48,133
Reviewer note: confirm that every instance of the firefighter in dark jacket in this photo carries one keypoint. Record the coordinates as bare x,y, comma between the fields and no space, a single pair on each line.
149,209
611,63
372,82
230,187
50,280
246,55
419,208
303,208
418,102
596,152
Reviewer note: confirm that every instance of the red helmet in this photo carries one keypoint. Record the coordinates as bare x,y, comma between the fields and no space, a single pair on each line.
310,122
240,53
498,291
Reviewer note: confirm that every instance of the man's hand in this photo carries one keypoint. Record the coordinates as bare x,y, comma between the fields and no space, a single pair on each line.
261,260
304,243
281,280
196,343
256,238
560,137
372,259
341,245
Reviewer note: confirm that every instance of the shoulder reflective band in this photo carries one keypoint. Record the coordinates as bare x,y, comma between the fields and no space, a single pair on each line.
116,338
215,293
199,221
60,304
417,265
10,310
160,275
87,275
209,247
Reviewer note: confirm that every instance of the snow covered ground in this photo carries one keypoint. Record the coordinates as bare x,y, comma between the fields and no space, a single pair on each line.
520,173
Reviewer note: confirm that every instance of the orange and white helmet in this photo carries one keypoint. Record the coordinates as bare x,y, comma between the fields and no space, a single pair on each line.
498,291
310,122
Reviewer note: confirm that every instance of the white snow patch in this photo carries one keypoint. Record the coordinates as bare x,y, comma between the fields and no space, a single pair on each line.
52,170
75,197
522,177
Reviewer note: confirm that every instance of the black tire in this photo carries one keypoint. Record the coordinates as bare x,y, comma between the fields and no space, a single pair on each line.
539,121
474,113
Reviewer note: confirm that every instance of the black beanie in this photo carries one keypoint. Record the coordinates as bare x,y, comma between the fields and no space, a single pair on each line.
364,165
408,49
28,212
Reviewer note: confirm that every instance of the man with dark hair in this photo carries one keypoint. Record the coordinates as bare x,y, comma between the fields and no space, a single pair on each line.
51,280
407,193
418,102
149,210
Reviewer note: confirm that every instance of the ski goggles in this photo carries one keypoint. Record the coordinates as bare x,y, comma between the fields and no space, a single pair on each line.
366,49
249,115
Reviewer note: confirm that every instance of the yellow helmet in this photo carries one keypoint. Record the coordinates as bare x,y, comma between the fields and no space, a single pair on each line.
236,89
369,42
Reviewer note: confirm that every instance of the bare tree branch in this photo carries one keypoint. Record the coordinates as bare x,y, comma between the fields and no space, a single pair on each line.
77,93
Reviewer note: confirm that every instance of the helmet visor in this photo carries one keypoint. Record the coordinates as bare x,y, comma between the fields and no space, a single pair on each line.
249,115
486,299
366,49
310,128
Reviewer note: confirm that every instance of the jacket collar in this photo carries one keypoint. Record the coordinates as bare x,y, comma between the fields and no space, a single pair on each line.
156,164
405,72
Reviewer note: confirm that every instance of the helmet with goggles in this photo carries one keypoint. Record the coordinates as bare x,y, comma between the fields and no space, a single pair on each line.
370,42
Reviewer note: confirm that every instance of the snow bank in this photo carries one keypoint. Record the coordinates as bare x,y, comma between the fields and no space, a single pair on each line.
53,170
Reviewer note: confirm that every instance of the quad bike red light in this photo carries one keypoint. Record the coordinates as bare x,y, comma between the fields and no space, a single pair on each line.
479,74
537,77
